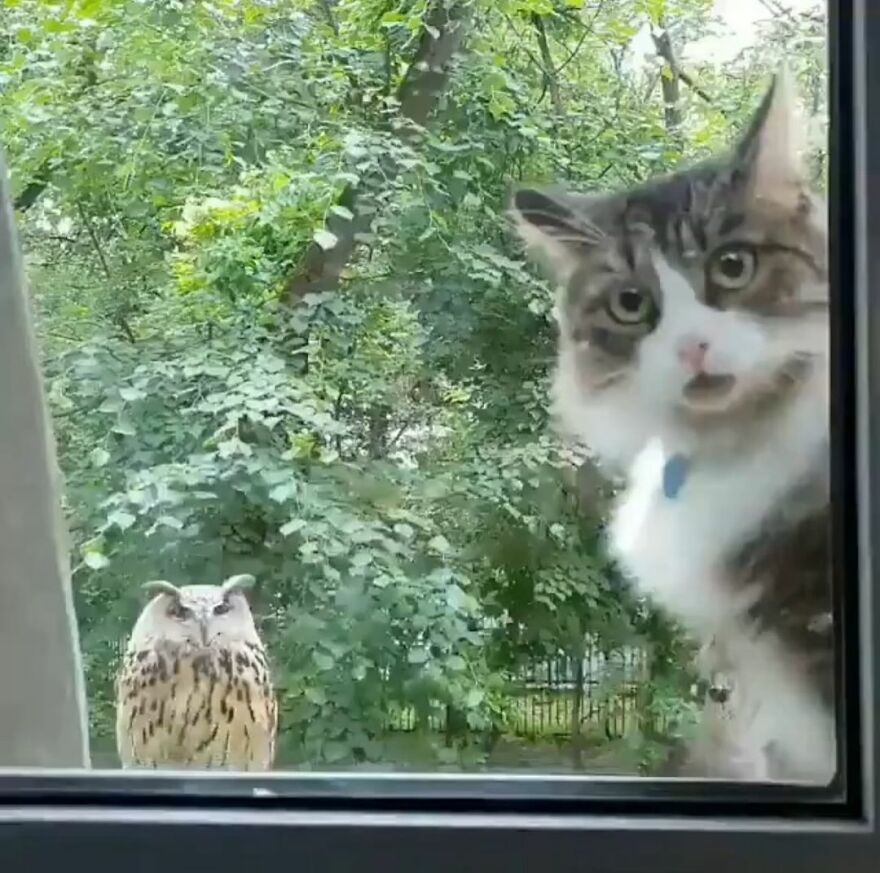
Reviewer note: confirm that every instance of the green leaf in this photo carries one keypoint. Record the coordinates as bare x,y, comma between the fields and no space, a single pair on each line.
95,560
124,427
316,695
392,19
439,543
292,526
362,558
122,519
130,394
325,239
334,751
417,656
273,477
99,456
323,661
283,492
474,697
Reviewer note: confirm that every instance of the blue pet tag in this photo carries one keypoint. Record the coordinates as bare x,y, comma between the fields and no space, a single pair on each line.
675,472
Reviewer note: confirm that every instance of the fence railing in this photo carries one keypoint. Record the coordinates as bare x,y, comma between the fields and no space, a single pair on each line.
547,697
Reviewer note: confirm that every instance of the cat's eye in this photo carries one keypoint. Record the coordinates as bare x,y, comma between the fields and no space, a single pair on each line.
732,268
629,305
222,608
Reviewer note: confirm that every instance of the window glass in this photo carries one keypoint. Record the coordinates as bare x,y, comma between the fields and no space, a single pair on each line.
436,386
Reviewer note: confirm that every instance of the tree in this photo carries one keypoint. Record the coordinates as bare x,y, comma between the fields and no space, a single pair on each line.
286,331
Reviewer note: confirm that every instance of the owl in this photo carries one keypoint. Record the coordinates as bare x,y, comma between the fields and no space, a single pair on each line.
194,688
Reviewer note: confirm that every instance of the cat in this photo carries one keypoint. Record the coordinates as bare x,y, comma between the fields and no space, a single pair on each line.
693,360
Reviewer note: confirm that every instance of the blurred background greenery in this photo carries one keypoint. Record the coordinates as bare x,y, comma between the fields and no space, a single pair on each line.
286,331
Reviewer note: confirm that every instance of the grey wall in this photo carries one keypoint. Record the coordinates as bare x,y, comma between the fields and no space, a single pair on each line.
42,700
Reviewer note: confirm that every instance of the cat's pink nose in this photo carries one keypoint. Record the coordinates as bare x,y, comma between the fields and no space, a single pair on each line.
692,353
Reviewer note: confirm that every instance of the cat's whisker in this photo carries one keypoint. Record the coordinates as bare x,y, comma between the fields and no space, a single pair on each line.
608,380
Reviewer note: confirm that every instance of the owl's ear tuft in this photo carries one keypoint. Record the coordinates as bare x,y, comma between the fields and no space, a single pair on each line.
240,583
161,586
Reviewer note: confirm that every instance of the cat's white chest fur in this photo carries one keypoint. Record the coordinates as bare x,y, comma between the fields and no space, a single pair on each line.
674,548
672,545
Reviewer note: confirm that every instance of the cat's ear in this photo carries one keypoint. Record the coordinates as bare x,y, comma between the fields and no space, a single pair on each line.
555,226
772,151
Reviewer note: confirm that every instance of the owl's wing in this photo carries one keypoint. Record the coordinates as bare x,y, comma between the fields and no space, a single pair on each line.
250,735
271,726
127,703
123,746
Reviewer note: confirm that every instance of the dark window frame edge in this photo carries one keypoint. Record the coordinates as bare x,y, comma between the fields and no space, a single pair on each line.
435,840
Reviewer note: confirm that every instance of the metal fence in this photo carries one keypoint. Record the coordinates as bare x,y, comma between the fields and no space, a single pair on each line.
544,696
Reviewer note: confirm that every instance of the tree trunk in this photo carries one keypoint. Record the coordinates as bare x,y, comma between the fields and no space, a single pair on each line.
43,711
669,82
320,268
377,431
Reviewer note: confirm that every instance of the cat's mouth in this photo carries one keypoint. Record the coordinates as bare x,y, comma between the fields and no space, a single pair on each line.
709,388
712,398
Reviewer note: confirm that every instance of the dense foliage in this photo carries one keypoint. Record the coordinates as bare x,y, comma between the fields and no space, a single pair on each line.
286,330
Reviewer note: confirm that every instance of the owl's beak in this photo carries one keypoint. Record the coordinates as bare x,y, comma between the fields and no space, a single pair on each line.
203,628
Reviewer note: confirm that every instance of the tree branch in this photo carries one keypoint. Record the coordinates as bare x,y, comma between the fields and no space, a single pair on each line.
119,318
550,80
669,83
96,244
689,81
320,268
573,54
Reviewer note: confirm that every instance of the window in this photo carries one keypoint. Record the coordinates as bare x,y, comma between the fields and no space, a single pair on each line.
292,350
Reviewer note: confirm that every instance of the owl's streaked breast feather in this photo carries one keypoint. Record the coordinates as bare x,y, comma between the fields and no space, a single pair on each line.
179,707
